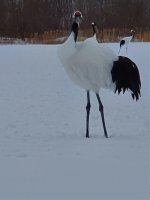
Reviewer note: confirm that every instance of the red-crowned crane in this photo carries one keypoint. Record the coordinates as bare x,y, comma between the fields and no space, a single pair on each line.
125,41
93,66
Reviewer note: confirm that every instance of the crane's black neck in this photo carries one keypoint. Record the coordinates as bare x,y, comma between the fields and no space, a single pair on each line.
75,29
94,29
132,34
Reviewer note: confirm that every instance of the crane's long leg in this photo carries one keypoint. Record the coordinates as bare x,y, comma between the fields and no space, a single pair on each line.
88,114
101,109
127,50
119,50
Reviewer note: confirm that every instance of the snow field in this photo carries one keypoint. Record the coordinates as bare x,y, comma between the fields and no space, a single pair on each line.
43,152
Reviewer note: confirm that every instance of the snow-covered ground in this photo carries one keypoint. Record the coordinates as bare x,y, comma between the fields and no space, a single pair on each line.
43,152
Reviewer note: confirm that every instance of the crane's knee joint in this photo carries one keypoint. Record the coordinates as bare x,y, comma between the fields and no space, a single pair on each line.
88,106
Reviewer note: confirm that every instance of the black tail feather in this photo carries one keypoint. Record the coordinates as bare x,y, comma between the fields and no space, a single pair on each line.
122,42
125,75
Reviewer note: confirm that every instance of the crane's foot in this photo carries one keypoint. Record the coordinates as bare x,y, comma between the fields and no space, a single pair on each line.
106,136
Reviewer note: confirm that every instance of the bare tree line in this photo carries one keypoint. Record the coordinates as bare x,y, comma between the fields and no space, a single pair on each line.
24,18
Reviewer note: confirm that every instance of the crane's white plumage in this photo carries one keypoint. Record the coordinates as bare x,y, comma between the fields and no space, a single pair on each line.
87,63
127,39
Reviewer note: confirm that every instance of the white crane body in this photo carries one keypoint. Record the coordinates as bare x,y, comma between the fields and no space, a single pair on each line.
125,41
87,63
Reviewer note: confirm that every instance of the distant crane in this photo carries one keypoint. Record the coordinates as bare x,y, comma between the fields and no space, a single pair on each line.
94,27
93,66
126,40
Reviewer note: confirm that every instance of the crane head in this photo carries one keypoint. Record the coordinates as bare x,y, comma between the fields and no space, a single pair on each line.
77,17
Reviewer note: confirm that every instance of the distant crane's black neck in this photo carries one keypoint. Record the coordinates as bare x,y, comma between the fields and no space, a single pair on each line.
132,34
75,29
94,29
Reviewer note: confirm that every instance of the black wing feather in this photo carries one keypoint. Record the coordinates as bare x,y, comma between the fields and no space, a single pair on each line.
125,75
